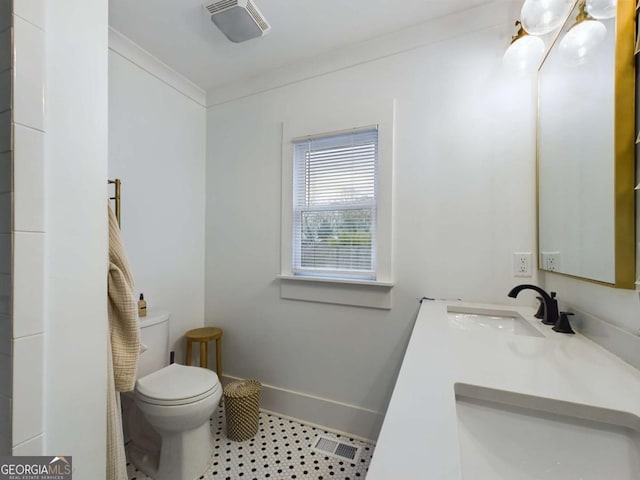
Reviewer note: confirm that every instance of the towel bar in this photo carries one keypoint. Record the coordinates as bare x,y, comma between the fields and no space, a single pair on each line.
116,196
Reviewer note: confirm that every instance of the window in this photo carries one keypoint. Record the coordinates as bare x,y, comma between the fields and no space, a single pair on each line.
336,223
335,205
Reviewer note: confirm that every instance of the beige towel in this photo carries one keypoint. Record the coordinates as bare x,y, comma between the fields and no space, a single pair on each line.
116,457
124,348
123,312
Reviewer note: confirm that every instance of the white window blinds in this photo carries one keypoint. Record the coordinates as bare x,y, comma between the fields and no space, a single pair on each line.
334,205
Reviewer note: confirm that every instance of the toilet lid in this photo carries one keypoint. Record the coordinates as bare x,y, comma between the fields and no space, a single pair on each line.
177,384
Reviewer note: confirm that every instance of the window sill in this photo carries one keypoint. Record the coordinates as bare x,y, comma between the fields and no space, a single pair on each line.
338,291
371,283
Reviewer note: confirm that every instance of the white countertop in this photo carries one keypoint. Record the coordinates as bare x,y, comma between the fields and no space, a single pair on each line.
419,436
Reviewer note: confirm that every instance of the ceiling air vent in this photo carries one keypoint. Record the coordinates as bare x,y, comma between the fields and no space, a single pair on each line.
333,447
239,20
221,5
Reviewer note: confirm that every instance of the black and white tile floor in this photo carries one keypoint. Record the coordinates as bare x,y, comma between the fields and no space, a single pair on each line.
281,450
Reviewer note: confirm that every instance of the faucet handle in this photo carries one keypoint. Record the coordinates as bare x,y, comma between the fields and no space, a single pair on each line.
553,295
563,325
540,312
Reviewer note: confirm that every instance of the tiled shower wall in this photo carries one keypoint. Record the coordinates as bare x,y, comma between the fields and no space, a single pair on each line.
5,225
21,226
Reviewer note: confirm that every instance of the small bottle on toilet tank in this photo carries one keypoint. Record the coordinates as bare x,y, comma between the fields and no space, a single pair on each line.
142,306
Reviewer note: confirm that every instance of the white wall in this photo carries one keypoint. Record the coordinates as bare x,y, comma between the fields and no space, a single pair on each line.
616,306
157,148
464,202
76,239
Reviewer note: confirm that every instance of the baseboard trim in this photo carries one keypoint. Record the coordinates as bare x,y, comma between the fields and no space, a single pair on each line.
340,418
324,428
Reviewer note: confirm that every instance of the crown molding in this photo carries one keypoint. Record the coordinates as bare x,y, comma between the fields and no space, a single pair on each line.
137,55
494,13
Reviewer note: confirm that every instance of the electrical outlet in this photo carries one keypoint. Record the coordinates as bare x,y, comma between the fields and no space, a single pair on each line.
522,264
550,261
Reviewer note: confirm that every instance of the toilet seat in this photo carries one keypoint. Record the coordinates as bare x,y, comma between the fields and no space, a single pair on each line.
177,385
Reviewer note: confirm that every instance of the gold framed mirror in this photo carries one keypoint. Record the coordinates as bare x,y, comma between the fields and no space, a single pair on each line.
586,152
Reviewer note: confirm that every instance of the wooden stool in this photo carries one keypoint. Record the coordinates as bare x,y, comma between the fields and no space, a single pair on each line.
202,336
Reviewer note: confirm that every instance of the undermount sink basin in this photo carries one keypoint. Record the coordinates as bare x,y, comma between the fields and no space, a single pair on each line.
510,436
485,320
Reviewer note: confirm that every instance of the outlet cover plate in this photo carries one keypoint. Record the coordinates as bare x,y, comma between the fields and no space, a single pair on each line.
522,264
550,261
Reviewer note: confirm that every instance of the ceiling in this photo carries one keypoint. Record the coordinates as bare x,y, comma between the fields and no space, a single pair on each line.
180,34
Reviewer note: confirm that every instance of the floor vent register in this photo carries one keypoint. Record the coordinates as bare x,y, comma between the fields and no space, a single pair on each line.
333,447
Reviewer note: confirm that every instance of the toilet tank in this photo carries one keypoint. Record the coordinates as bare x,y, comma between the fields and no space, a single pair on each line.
154,334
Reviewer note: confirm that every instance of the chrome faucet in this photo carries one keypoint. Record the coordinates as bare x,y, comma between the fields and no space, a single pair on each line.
550,316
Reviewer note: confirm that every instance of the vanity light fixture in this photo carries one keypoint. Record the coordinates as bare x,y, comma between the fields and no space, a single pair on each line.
583,37
602,9
525,52
540,17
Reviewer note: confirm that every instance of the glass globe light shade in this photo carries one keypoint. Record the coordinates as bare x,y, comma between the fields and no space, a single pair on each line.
582,40
523,56
540,17
601,9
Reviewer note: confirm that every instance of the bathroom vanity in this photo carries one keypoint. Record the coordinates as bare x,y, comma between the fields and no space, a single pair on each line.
489,392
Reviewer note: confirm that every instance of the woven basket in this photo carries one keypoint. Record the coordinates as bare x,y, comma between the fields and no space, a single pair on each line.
242,409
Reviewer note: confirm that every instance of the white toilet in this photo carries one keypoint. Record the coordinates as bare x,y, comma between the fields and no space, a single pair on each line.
171,439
